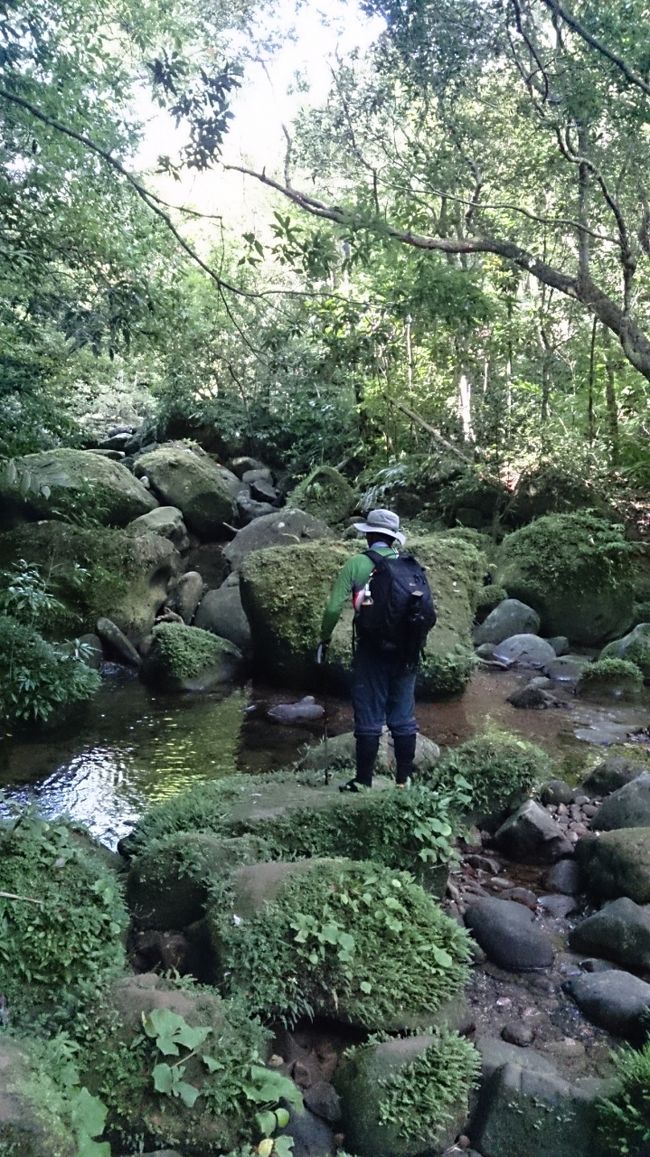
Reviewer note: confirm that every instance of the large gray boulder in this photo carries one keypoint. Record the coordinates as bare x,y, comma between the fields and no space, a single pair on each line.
510,617
287,527
187,595
616,863
566,668
532,836
628,807
614,772
620,932
166,521
507,934
221,612
525,650
616,1001
191,482
522,1112
69,484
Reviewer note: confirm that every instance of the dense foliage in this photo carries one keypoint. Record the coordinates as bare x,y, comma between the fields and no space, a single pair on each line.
625,1115
496,770
38,680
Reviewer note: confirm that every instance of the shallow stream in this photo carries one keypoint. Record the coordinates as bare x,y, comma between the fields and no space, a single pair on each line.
131,748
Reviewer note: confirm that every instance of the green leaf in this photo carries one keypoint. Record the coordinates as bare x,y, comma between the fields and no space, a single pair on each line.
163,1079
282,1117
283,1146
89,1113
266,1122
187,1093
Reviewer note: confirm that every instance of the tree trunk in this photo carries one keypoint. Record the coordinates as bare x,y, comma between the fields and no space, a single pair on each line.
612,365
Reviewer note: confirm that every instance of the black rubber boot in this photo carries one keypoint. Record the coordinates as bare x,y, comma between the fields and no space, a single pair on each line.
404,757
367,748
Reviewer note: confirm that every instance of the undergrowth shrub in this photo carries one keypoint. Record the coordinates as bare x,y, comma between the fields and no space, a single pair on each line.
444,674
63,922
624,1117
410,830
355,941
496,770
38,679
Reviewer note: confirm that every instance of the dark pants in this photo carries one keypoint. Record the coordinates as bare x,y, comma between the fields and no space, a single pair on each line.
383,692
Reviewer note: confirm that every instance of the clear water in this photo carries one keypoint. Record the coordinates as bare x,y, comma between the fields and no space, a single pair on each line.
131,748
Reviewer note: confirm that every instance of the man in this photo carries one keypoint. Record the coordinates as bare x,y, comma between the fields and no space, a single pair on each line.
383,682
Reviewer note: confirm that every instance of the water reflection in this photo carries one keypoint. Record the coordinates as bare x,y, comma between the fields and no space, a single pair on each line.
130,748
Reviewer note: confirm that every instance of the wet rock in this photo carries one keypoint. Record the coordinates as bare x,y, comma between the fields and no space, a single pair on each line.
92,653
620,931
312,1137
304,711
556,791
532,699
249,508
244,463
495,1053
566,669
263,491
558,906
594,964
518,1034
209,560
540,1115
523,896
485,651
614,1000
530,835
187,595
614,772
167,522
510,617
563,877
323,1100
560,644
541,681
117,643
628,807
257,474
506,933
525,650
221,612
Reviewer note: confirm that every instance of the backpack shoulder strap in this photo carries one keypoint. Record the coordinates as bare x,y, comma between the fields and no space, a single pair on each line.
374,556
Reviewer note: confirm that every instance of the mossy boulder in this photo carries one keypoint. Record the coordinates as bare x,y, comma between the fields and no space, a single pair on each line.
64,919
609,679
616,863
122,1059
168,884
552,491
183,658
338,751
37,1111
191,482
412,830
95,572
347,940
70,484
574,570
498,770
286,528
635,647
405,1097
284,594
326,494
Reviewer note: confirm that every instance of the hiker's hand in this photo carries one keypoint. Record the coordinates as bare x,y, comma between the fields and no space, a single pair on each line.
321,653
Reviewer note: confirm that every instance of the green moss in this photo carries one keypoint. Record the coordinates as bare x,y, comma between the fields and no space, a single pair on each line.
38,680
497,769
412,830
617,677
488,598
574,570
326,494
93,572
118,1059
351,940
65,930
624,1117
427,1092
187,651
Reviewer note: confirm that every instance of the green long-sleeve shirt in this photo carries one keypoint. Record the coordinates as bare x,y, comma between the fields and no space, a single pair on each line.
352,577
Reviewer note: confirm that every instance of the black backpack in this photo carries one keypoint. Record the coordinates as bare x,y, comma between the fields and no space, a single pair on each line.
402,611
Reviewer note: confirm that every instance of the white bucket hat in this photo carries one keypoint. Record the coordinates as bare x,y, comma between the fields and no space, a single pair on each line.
382,522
